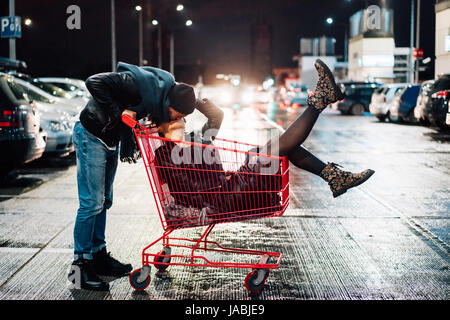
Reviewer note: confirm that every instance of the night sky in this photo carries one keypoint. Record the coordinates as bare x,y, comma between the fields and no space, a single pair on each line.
219,39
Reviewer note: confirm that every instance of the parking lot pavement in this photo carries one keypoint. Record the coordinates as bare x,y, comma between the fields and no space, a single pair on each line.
387,239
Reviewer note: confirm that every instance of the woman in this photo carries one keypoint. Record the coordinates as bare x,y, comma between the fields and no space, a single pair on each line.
195,188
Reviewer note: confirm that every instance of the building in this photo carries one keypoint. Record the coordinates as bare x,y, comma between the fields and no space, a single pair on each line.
442,64
371,49
261,51
310,50
401,62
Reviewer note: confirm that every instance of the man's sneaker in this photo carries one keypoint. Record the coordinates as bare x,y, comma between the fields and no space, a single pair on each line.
327,92
83,276
105,265
340,181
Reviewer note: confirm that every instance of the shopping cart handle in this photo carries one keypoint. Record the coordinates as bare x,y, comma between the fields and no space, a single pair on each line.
129,121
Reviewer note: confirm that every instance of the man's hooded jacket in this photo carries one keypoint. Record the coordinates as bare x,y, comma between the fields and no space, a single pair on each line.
144,90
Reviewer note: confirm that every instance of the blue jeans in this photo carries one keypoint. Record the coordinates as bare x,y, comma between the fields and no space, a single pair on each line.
96,168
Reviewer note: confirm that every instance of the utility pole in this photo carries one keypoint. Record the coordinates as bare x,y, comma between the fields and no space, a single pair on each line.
141,37
159,47
172,53
12,40
411,47
113,37
417,41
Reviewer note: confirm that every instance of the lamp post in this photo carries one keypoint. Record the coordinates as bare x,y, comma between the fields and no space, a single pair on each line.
188,23
331,21
416,80
12,40
141,53
113,37
159,46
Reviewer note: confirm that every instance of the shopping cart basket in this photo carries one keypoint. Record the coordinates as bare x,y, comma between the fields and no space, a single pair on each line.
201,184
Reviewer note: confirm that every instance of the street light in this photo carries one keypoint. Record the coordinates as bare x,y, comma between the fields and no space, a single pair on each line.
180,7
189,22
28,22
330,21
155,22
140,32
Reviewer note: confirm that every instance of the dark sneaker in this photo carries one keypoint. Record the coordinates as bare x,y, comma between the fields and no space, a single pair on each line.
105,265
327,92
340,181
83,276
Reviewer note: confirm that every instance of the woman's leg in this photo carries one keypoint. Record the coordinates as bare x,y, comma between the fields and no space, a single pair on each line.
295,135
290,141
326,92
303,159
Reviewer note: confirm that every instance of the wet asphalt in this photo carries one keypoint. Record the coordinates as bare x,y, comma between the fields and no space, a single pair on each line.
387,239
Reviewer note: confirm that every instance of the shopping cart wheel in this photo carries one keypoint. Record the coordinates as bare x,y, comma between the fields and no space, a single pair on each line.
160,258
255,280
140,278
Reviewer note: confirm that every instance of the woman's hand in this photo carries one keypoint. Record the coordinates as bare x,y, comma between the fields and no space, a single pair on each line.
129,113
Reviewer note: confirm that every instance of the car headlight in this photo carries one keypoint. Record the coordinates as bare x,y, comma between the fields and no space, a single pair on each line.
56,126
247,97
225,97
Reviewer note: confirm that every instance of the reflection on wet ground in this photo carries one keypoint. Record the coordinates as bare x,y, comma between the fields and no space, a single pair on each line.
387,239
34,174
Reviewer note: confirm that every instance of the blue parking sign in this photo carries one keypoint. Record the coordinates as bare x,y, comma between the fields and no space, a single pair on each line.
10,27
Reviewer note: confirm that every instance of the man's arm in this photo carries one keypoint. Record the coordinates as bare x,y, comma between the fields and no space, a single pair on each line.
214,115
105,86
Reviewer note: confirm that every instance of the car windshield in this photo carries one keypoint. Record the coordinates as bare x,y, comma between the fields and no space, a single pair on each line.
33,95
52,89
442,84
65,86
18,91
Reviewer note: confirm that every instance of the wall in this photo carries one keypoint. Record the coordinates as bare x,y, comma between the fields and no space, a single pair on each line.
442,30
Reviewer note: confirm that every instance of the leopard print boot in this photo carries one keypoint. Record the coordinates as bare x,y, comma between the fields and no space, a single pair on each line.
340,181
327,91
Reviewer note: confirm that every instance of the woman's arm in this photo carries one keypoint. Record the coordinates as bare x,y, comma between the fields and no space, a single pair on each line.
214,115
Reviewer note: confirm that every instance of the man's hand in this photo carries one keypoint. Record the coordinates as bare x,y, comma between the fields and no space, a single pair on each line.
129,113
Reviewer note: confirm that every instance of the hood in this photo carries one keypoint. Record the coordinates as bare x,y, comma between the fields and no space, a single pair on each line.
153,85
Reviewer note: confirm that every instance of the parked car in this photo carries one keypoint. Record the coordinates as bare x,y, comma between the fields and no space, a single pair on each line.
346,84
422,100
72,106
447,117
437,113
356,99
382,97
47,87
434,109
7,64
296,96
21,140
402,105
58,119
77,86
59,127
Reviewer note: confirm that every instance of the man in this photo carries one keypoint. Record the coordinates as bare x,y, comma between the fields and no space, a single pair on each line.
139,92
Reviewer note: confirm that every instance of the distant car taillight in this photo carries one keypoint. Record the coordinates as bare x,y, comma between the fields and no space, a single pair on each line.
440,94
9,119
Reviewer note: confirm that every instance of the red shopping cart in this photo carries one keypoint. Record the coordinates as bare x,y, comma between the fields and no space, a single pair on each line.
201,185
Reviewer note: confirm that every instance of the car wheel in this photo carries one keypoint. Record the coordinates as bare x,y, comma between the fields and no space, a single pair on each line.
410,118
358,109
388,116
